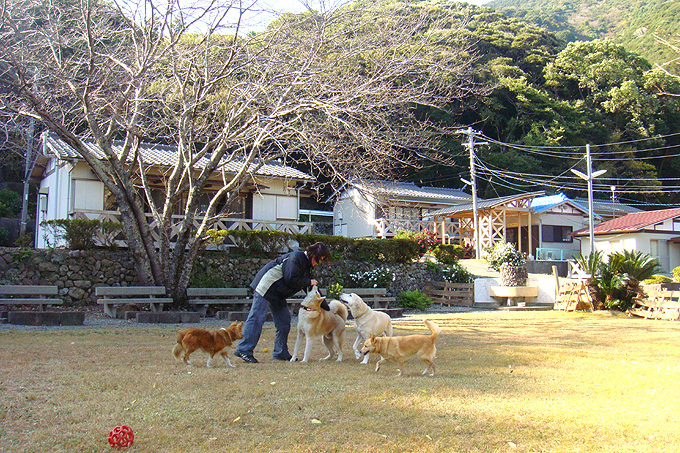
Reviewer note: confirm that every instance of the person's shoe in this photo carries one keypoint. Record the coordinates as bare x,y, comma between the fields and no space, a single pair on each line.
245,357
285,357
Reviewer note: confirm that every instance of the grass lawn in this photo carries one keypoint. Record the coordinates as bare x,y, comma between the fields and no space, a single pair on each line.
532,381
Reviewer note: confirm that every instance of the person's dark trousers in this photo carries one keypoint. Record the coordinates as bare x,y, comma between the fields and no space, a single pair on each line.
252,328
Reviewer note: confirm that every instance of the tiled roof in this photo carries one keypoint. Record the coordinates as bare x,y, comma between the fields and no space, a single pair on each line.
632,222
164,155
482,204
412,192
605,207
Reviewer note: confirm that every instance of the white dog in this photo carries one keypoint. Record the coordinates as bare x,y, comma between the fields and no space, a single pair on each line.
367,322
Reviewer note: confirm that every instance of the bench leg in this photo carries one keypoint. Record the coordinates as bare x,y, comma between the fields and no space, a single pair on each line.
110,310
156,308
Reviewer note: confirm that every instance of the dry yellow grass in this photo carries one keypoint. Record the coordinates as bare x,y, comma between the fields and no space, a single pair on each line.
534,381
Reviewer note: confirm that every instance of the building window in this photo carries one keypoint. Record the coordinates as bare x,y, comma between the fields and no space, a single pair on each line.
556,233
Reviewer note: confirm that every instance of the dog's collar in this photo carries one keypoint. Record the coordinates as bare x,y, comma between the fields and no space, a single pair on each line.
357,317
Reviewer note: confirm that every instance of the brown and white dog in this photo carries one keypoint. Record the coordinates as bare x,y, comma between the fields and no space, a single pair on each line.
398,348
314,321
212,342
367,322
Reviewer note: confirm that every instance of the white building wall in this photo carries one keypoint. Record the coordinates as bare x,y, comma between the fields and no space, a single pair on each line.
54,199
354,215
276,202
575,221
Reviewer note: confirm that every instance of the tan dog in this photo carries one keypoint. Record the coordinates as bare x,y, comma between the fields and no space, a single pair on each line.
189,340
398,348
314,321
367,322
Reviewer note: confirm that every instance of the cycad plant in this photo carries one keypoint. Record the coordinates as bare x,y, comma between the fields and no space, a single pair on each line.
592,265
619,279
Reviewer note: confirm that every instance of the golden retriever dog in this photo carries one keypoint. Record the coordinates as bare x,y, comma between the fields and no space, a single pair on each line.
189,340
367,322
398,348
314,321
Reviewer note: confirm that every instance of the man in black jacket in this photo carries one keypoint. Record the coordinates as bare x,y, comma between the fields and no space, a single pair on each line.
274,283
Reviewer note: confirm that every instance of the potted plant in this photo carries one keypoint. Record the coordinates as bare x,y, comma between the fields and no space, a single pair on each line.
504,258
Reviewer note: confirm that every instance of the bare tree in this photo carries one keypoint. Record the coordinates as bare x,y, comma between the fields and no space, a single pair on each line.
338,89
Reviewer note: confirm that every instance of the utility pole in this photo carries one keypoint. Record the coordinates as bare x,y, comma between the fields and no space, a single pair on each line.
28,169
470,145
589,177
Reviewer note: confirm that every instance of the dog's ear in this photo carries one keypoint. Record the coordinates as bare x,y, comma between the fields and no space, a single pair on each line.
233,324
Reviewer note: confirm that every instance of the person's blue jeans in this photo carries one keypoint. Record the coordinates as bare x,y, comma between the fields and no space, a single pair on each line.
252,328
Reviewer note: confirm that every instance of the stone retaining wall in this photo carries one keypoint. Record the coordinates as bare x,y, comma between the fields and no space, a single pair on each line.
77,272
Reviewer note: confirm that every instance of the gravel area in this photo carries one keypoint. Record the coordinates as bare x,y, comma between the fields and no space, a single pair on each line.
95,318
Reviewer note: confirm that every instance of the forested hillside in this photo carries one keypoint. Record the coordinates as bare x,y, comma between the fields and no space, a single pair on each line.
549,100
634,23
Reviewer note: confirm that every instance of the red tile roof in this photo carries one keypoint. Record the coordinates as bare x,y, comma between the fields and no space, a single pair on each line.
632,222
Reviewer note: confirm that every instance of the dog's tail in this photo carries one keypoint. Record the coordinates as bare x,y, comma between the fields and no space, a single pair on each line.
339,309
434,328
177,350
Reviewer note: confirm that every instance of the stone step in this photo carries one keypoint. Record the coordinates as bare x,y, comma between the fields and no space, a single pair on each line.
46,318
169,317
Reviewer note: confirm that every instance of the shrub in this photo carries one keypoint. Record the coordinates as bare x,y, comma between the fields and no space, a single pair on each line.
415,300
268,244
456,274
375,278
676,274
426,240
79,234
504,253
272,243
10,203
385,250
341,247
4,238
110,230
657,279
448,254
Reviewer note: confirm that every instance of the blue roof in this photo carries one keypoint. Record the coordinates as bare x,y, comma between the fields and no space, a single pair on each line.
540,204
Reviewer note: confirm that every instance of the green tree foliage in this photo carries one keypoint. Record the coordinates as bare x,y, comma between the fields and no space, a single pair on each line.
633,23
10,203
550,93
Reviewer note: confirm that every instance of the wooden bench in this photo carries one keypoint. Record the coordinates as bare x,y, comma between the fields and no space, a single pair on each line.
657,304
374,297
235,299
573,296
29,295
112,296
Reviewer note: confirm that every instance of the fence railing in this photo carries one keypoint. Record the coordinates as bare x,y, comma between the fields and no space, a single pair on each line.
543,253
456,294
385,228
221,224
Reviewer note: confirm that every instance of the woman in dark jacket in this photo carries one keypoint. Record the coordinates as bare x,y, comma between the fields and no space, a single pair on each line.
274,283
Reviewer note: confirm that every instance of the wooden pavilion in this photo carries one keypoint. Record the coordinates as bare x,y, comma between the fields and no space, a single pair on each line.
497,217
